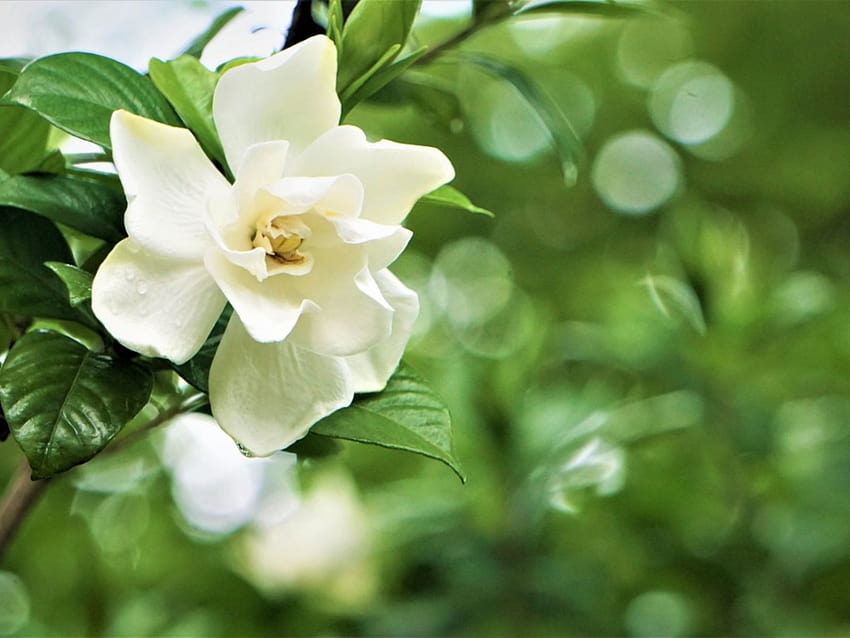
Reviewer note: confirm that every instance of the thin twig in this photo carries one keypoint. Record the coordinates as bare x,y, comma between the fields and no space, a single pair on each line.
458,38
21,495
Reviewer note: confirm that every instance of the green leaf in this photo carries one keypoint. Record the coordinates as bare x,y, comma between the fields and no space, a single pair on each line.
335,21
372,29
76,280
64,403
78,92
675,299
565,140
23,134
603,8
188,85
450,196
407,415
372,83
51,164
196,48
197,369
26,286
88,206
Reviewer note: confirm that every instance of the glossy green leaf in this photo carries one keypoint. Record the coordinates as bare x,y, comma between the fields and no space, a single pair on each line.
450,196
27,287
407,415
335,22
565,140
78,92
88,206
371,30
188,86
76,280
23,134
65,403
196,47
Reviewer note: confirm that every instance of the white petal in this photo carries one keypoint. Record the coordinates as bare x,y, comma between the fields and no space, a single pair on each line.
339,195
394,175
289,96
352,315
154,305
269,308
168,181
268,395
262,164
382,243
370,370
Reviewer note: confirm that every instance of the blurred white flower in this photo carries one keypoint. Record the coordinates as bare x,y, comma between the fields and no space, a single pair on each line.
299,245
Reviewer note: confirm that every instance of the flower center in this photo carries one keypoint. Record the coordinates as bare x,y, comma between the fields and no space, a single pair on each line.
281,236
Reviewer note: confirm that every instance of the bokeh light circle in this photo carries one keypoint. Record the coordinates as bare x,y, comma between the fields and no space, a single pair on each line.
635,172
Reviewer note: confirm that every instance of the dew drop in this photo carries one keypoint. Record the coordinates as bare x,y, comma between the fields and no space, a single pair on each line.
178,323
141,288
130,275
248,454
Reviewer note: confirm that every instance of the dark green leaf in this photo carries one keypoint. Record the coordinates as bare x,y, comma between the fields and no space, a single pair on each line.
565,140
371,30
407,415
76,280
64,403
23,134
450,196
189,85
198,44
88,206
51,164
197,369
26,286
78,92
314,446
372,83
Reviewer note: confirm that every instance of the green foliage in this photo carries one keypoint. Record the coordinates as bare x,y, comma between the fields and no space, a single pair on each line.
27,287
197,369
77,92
372,37
604,8
76,280
23,134
188,85
88,206
64,403
452,197
407,415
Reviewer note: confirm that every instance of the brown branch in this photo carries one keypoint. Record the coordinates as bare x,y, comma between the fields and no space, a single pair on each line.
20,496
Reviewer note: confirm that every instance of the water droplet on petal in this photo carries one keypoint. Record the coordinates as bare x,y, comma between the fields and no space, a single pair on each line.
141,288
245,451
178,322
130,275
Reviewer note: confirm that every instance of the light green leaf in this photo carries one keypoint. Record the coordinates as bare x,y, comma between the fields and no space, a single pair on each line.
196,48
675,300
188,85
565,140
77,92
64,403
371,30
88,206
26,286
76,280
335,21
23,134
407,415
450,196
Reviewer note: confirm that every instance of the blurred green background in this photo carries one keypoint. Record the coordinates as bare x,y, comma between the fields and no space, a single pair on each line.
647,371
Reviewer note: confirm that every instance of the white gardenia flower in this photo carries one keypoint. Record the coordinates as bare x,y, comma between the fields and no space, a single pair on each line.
299,245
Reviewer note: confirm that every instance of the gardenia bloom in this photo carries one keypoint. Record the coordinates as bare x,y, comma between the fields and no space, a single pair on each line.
299,245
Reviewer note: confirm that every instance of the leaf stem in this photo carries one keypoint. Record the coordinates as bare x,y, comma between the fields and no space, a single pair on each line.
87,158
476,25
20,496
